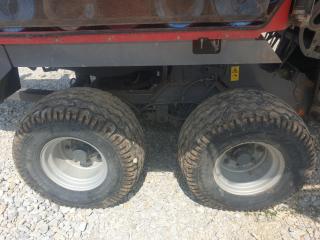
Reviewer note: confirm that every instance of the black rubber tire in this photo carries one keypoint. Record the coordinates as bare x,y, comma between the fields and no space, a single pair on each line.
235,117
91,115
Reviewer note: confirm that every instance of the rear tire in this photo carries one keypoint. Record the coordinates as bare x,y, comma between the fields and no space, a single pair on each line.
80,147
245,150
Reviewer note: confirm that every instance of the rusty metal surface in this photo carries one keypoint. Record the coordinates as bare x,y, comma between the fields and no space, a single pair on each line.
309,35
40,13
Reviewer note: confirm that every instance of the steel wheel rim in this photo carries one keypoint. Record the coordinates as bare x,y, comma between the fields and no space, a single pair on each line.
250,173
63,166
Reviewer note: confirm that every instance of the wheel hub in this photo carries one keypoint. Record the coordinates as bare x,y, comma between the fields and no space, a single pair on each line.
249,168
82,157
244,158
73,164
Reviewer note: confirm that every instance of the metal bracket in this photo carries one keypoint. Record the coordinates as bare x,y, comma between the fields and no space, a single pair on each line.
9,76
206,46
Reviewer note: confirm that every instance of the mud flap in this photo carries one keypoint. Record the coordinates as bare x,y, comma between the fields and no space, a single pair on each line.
9,76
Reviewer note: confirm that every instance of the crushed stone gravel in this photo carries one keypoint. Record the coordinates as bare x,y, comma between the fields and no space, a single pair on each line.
160,209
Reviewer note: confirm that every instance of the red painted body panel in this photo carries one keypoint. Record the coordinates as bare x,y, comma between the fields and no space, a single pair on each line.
279,21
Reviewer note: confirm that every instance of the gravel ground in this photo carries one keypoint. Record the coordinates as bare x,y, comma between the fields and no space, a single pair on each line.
161,209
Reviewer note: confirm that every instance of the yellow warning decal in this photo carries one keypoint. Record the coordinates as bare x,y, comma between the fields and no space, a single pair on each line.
235,73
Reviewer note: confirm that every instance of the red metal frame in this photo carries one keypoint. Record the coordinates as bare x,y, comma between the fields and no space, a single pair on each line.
279,21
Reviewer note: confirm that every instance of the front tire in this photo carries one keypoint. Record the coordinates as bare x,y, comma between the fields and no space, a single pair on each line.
245,150
80,147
